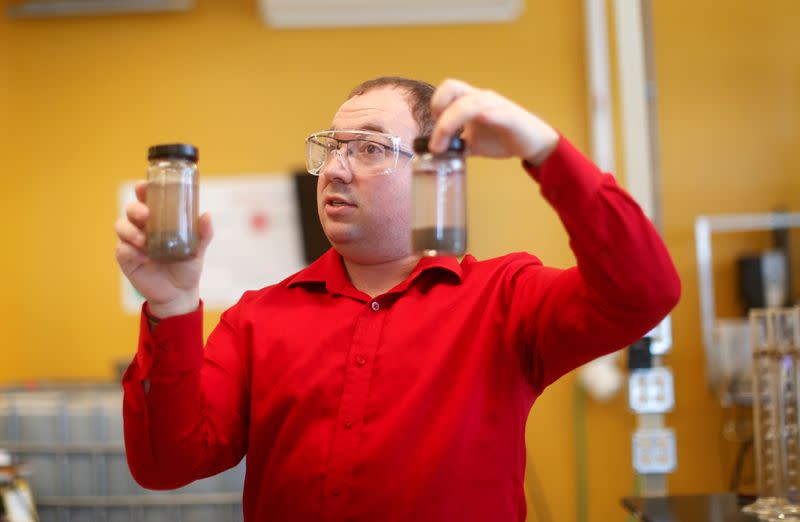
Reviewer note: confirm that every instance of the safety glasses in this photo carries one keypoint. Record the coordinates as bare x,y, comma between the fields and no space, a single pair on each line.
365,152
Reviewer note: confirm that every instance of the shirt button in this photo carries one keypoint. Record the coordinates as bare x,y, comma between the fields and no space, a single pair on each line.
336,492
375,306
348,424
360,360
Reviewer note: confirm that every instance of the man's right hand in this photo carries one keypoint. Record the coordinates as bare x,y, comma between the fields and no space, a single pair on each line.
170,288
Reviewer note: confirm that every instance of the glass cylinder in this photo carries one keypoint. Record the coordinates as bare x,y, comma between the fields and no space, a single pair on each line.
439,209
787,330
172,197
776,402
765,414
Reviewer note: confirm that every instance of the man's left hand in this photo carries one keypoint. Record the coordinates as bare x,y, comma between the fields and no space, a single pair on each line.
494,126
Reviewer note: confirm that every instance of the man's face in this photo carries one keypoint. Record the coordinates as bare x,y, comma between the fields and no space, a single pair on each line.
366,215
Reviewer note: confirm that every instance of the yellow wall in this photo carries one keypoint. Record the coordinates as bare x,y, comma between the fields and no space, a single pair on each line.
7,194
89,95
730,113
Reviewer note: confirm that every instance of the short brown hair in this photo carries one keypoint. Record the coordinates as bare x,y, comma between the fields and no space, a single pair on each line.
418,93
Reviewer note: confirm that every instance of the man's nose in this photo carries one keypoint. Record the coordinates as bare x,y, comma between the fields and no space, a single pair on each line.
338,169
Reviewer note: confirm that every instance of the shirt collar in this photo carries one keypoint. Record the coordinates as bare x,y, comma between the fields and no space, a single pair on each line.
329,270
446,263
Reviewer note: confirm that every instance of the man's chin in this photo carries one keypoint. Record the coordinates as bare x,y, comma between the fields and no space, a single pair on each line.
351,245
341,235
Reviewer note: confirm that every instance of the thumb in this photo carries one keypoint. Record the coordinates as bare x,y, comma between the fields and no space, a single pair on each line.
206,232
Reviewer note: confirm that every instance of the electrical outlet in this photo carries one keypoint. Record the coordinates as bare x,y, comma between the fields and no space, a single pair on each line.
651,390
661,337
654,451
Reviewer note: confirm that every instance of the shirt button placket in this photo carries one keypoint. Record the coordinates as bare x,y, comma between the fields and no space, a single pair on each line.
356,387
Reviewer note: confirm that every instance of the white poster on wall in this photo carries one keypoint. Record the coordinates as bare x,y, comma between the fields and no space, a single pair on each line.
257,237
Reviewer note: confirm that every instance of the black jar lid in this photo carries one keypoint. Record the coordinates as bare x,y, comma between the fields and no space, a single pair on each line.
456,144
173,150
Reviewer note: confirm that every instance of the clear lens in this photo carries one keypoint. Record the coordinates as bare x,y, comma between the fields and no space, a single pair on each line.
368,153
317,150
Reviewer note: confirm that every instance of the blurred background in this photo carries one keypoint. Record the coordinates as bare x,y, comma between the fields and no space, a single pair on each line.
82,97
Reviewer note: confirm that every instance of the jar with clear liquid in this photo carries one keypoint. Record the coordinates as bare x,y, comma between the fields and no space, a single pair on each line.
439,208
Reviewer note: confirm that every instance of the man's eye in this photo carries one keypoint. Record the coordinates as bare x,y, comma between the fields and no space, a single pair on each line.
373,148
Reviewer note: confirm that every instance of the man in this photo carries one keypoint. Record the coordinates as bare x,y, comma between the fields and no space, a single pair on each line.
375,385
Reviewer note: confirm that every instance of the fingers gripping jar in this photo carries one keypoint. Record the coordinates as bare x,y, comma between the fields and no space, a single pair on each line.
439,209
172,197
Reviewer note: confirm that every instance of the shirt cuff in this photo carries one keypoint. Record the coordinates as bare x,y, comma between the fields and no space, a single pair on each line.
174,347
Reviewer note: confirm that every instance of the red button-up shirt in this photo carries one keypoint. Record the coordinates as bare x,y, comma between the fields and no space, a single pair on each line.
410,406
